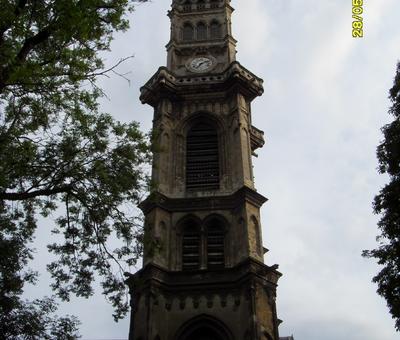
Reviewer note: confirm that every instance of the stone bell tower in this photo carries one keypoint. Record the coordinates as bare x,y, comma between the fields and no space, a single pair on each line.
203,275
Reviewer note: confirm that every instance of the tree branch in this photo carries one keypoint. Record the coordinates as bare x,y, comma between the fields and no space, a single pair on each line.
19,196
28,45
3,28
31,42
6,24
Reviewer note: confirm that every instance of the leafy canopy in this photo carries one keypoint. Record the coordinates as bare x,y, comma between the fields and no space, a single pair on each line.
33,320
60,155
387,204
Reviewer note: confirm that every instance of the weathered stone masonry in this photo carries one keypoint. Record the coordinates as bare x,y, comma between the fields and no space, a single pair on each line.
203,274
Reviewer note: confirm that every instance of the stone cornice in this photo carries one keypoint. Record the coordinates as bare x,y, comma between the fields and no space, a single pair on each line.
164,83
210,46
196,8
188,204
198,280
256,138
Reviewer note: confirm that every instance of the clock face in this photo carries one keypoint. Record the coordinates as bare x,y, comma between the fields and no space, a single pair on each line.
200,64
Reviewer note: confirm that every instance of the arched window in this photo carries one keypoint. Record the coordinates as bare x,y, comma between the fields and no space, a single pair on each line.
215,244
188,32
202,158
201,31
215,30
203,244
204,328
191,241
204,333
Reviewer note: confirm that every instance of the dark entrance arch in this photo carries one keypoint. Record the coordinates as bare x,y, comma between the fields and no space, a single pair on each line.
203,333
204,328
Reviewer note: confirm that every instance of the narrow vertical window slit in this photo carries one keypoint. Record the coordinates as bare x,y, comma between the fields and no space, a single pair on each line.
215,246
190,248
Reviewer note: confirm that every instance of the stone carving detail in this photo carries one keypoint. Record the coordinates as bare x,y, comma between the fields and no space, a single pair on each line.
196,302
155,295
234,122
223,298
182,303
210,301
168,303
255,237
237,300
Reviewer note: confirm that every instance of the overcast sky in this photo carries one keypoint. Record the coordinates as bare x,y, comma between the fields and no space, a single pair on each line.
324,103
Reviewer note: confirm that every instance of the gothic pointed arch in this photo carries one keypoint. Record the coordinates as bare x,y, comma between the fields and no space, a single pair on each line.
218,218
204,327
191,119
187,219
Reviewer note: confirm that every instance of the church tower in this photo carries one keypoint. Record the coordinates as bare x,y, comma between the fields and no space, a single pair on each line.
203,275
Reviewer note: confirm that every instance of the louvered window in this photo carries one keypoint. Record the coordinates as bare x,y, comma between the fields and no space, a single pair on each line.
215,246
188,32
201,31
215,30
202,158
191,248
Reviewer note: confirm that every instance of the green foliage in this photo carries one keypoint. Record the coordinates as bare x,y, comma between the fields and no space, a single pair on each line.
387,204
21,319
60,155
36,320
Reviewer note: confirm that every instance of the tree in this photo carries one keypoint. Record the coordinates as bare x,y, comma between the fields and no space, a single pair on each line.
60,155
20,318
387,203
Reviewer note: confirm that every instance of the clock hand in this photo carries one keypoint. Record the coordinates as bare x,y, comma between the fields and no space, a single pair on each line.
204,62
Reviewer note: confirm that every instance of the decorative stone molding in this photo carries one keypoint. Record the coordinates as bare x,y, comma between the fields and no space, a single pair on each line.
230,202
166,84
